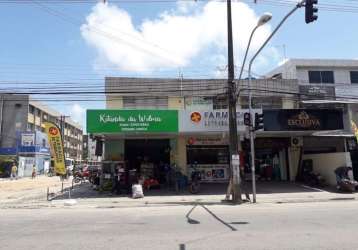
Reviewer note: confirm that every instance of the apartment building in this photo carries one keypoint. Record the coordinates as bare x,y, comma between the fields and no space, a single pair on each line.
22,131
73,135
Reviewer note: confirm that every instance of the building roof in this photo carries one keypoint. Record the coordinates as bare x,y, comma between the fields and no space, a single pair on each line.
289,66
322,62
53,112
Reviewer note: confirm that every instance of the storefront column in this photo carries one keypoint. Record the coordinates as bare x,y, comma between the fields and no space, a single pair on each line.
294,158
181,154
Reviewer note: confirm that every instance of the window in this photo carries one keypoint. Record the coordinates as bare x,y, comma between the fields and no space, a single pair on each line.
146,102
208,154
354,76
220,103
30,127
38,112
31,109
321,76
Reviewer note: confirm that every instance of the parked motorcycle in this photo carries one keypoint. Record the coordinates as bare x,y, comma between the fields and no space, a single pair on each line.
194,187
344,182
346,185
312,179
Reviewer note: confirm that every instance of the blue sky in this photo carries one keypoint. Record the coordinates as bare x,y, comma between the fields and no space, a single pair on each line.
48,42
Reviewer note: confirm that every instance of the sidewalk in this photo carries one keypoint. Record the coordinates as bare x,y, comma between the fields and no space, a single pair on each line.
26,189
84,197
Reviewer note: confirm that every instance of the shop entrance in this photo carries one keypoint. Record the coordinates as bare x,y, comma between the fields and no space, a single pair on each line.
271,162
148,158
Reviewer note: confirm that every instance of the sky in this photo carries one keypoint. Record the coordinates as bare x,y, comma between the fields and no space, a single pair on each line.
67,45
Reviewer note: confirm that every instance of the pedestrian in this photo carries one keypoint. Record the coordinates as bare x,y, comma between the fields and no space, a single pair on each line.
13,171
33,172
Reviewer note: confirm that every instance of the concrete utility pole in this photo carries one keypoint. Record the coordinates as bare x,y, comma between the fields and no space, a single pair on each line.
233,137
62,128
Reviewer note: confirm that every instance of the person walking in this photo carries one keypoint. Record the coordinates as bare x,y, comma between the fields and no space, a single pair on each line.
13,171
33,176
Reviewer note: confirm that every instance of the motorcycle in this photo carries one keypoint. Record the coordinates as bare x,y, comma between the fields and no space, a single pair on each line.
346,185
345,182
312,179
194,187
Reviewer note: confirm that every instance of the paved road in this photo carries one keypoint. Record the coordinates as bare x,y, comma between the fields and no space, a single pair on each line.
326,225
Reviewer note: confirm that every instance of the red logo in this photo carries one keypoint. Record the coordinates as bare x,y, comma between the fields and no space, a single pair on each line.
53,131
195,117
191,141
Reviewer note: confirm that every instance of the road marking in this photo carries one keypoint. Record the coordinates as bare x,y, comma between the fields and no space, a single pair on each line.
316,189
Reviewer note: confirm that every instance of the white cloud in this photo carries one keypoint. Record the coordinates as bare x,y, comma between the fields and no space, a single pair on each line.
173,39
77,113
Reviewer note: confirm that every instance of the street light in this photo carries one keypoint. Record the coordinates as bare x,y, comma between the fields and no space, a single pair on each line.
265,18
252,145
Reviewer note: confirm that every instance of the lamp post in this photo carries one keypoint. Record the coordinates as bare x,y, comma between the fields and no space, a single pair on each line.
265,18
252,131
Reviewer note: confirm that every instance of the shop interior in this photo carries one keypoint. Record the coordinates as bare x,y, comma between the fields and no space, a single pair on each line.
149,159
211,160
271,162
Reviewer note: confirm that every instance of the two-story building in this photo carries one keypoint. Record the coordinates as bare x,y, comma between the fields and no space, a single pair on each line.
326,83
148,122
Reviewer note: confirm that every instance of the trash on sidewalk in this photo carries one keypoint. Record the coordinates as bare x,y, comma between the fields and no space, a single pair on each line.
137,191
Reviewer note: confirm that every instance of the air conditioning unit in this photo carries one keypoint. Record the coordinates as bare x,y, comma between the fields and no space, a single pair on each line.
296,142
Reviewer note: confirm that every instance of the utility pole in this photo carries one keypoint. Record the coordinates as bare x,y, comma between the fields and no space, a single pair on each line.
62,128
233,137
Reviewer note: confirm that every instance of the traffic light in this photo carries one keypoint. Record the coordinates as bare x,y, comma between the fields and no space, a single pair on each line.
247,119
311,10
259,121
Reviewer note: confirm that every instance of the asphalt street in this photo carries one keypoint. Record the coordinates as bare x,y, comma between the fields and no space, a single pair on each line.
325,225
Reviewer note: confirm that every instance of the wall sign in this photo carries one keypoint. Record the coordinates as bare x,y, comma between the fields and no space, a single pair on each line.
302,119
210,120
207,141
316,92
116,121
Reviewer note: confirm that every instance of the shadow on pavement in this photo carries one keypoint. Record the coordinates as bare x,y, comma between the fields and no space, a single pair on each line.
228,225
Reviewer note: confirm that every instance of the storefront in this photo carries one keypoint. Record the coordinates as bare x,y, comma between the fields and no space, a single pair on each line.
315,137
147,140
33,150
144,140
206,142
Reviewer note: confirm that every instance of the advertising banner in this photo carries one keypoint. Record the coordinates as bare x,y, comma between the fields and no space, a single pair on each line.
302,119
54,137
354,129
117,121
27,139
211,120
212,173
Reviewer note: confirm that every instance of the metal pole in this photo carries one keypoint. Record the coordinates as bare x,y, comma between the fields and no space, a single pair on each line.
233,147
252,143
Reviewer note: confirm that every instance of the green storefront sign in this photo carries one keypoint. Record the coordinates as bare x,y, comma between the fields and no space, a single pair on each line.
126,121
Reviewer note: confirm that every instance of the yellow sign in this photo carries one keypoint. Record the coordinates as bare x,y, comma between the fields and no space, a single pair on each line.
54,137
354,129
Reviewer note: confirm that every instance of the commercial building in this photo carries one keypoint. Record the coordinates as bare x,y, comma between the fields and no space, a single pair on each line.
22,132
89,149
185,122
332,84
